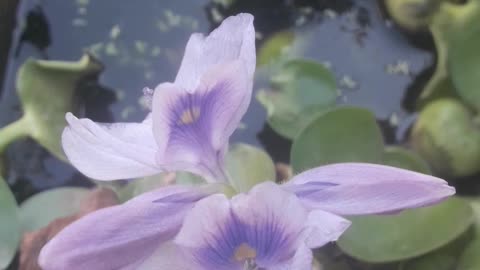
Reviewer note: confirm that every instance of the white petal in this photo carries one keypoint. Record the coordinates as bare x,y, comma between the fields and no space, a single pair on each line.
110,151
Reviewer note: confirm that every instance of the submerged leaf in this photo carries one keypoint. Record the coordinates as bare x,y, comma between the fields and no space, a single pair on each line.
301,91
9,225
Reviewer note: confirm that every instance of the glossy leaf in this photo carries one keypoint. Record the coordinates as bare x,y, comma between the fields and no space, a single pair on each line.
412,233
301,91
9,225
46,90
340,135
41,209
248,166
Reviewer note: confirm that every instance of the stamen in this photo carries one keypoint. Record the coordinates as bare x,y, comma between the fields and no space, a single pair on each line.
244,253
189,116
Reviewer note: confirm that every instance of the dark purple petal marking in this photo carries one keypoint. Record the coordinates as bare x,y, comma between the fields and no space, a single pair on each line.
235,243
191,123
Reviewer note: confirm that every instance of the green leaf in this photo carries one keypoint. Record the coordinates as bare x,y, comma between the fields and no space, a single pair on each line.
380,239
141,185
9,225
344,134
405,159
248,166
275,47
464,59
469,259
440,85
447,137
301,91
41,209
444,258
46,90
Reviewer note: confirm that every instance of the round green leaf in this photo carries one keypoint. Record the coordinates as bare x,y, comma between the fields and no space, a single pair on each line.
344,134
275,47
9,225
412,233
41,209
46,90
405,159
447,137
248,166
299,92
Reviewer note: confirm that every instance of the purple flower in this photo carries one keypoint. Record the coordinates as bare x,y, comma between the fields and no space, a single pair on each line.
179,228
271,227
191,120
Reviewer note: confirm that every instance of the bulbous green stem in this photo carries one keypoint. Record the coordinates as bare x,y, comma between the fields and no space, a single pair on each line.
12,132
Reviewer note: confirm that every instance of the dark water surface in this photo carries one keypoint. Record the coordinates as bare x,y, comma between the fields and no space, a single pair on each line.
142,43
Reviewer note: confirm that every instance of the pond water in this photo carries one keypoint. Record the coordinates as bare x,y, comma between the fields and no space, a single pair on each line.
142,45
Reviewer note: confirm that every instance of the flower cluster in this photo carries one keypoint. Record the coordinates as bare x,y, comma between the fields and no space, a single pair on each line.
272,226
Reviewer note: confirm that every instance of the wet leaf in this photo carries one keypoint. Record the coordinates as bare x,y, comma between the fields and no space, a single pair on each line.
447,137
248,166
46,90
9,225
41,209
301,91
403,158
379,239
340,135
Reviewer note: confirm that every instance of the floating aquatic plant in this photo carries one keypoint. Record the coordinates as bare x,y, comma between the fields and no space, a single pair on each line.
46,91
269,226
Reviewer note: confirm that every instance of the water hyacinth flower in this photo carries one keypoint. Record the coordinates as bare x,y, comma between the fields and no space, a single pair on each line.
271,227
184,228
191,119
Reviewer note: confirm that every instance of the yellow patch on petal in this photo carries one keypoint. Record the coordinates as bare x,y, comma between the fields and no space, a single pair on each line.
244,252
189,116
